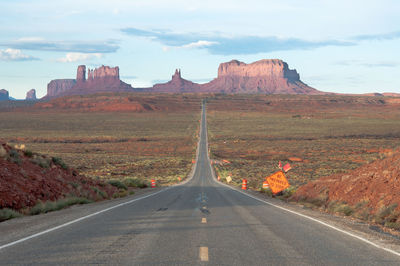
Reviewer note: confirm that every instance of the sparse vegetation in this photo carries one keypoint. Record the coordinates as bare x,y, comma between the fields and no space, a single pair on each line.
48,206
322,137
6,214
60,162
41,161
118,184
28,153
386,214
14,156
135,183
100,193
113,145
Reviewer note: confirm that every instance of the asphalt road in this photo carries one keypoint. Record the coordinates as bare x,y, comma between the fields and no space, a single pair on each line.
198,222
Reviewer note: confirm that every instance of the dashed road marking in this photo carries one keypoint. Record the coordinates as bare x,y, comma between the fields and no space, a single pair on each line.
203,220
203,253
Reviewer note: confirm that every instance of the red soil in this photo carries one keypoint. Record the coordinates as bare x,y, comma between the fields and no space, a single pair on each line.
377,183
23,183
121,102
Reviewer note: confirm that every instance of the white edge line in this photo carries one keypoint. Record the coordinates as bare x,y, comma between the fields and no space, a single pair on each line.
109,208
300,214
77,220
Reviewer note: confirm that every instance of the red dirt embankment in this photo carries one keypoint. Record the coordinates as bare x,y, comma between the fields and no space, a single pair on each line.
121,102
373,186
27,178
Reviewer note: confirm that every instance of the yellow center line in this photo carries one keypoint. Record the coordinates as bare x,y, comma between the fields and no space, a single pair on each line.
203,253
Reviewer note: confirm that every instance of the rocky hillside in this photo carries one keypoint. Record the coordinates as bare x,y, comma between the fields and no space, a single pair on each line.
27,178
369,192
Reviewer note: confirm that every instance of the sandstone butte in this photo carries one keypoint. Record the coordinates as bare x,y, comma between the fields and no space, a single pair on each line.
268,76
31,95
102,79
4,95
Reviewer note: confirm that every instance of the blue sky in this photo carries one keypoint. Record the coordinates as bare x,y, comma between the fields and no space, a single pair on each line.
338,46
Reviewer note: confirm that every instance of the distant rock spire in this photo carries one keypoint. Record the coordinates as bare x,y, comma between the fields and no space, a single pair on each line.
177,74
81,74
4,95
31,95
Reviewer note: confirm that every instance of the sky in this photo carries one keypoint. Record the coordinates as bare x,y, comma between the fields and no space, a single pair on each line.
337,46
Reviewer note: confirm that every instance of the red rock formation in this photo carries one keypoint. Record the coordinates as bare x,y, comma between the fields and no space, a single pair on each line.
4,95
31,95
81,74
102,79
57,87
176,85
103,72
268,76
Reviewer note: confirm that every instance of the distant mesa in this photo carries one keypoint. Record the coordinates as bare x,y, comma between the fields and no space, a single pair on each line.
4,95
268,76
31,95
102,79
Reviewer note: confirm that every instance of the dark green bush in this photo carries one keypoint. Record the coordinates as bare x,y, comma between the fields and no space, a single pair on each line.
134,182
59,161
7,213
28,153
14,156
49,206
118,184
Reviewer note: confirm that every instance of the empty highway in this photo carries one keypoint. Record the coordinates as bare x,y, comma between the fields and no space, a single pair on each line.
199,222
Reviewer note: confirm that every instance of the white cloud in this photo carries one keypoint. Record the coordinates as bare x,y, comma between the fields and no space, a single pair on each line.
30,39
15,55
192,45
77,57
198,44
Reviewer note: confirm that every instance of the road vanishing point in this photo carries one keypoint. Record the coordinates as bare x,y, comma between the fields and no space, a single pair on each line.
198,222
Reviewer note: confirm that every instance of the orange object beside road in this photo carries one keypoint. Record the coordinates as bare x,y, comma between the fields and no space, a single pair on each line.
277,182
287,167
153,183
244,184
193,161
265,185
